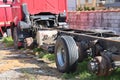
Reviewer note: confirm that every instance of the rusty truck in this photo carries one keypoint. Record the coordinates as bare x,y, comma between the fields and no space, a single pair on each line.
42,23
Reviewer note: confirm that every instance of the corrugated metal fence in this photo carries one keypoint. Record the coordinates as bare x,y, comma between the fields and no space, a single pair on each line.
108,20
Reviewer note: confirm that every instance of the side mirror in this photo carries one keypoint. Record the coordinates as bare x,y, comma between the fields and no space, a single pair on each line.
5,1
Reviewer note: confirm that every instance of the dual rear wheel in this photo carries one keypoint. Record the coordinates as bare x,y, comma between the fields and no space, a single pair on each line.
18,38
15,37
66,52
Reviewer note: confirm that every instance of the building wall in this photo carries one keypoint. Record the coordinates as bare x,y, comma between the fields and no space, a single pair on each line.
89,3
112,1
107,20
117,0
113,4
82,3
72,5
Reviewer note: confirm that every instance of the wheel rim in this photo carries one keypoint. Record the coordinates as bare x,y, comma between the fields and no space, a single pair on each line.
61,58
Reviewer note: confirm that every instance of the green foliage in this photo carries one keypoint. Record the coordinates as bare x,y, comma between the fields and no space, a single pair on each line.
27,75
39,52
68,76
86,8
8,41
80,9
93,8
50,57
82,73
42,54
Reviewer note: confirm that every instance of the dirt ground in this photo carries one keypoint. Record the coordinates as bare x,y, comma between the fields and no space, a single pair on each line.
23,65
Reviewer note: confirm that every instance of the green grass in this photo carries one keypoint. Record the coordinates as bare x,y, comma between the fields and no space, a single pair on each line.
42,54
50,57
8,41
82,73
27,75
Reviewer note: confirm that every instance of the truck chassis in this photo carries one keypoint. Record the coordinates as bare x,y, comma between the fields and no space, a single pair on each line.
73,46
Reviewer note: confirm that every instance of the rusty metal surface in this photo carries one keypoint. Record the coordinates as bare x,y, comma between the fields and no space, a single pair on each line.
104,65
81,35
29,41
115,57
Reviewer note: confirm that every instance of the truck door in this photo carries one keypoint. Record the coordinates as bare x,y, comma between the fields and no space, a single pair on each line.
5,13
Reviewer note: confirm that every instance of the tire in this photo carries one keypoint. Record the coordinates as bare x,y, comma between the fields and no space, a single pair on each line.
15,37
66,54
18,42
82,51
12,30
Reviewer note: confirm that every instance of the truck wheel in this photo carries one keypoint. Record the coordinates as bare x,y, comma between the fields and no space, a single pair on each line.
82,51
15,37
66,53
12,30
16,34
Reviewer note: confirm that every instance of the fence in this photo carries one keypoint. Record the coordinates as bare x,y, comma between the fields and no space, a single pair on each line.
107,20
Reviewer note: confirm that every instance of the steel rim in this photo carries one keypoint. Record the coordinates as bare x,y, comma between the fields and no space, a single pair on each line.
61,58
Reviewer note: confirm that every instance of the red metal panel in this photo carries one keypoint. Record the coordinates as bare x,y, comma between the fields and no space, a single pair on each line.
16,13
5,17
13,13
9,13
53,6
6,13
8,2
2,16
62,5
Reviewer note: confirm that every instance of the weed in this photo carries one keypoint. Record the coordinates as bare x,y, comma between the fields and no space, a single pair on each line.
37,50
68,76
80,9
50,57
86,8
8,41
93,8
28,75
42,54
82,73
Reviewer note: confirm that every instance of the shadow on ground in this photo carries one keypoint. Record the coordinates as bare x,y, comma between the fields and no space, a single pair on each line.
28,65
